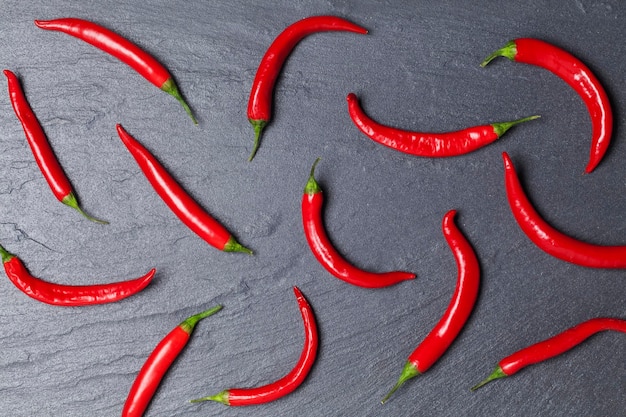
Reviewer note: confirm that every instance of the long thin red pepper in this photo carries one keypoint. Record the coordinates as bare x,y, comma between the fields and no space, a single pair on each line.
551,240
69,295
458,311
181,203
121,48
439,145
324,251
576,74
42,151
552,347
261,95
288,383
158,363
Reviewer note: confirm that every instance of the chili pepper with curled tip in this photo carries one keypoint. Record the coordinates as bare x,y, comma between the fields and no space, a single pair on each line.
286,384
261,94
453,320
554,346
121,48
158,363
578,76
42,151
325,252
69,295
177,199
424,144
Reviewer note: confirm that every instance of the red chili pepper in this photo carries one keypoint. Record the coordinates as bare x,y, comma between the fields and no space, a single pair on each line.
121,48
326,254
159,361
551,240
69,295
428,144
181,203
260,102
571,70
42,151
458,311
288,383
552,347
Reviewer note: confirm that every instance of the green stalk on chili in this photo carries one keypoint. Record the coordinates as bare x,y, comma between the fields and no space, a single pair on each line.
458,311
158,363
121,48
42,151
552,347
288,383
69,295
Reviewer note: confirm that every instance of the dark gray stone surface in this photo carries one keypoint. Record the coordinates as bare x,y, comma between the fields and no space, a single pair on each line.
417,69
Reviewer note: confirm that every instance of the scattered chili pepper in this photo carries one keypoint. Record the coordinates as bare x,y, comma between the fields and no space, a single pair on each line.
326,254
159,361
69,295
458,311
261,95
552,347
42,151
428,144
576,74
288,383
181,203
121,48
551,240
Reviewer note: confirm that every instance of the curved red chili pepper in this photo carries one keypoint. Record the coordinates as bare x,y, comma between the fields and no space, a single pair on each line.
288,383
260,101
327,255
576,74
551,240
428,144
69,295
42,151
121,48
181,203
552,347
458,311
159,361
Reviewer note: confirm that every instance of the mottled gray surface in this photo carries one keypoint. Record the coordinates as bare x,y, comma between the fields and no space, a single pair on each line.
417,69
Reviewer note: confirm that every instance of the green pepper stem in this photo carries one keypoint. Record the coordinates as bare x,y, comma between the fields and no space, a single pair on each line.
71,201
233,246
508,51
6,255
501,127
221,397
410,371
190,322
496,374
170,87
312,187
258,126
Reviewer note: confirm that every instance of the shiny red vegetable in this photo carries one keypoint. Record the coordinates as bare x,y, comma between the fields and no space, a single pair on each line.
69,295
551,240
121,48
261,95
451,323
324,251
576,74
552,347
181,203
42,151
288,383
158,363
428,144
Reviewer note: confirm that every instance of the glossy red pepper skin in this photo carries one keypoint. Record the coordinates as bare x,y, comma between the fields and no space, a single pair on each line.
177,199
261,94
453,320
69,295
121,48
324,251
158,363
576,74
42,151
551,240
433,145
288,383
552,347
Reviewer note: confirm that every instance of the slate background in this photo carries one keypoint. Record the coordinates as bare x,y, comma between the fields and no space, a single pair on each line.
417,69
